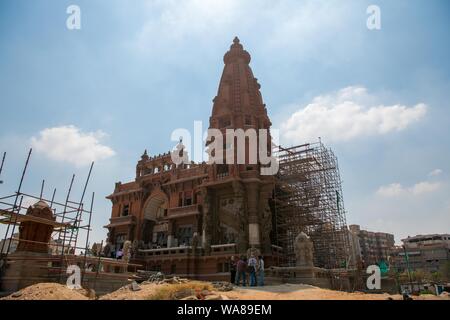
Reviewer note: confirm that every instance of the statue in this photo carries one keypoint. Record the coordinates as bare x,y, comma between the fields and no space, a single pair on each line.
303,247
195,242
253,252
127,251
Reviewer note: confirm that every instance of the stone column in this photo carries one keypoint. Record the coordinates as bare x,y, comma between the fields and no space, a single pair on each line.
207,221
170,236
253,221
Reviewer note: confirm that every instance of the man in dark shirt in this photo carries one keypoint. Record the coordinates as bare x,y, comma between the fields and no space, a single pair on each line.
232,270
241,267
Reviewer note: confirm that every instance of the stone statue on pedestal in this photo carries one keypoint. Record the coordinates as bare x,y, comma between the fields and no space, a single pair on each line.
127,251
304,251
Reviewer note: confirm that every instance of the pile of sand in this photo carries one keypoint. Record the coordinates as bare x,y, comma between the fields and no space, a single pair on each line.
155,291
48,291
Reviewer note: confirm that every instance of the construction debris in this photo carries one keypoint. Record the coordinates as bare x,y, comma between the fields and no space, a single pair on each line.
182,294
156,277
134,286
222,286
160,278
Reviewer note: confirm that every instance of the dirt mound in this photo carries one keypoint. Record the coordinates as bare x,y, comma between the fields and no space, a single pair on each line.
48,291
160,291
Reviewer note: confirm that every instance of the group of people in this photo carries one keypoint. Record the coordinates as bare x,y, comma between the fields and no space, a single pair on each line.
254,267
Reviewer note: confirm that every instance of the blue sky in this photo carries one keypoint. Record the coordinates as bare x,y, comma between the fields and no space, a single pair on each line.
134,73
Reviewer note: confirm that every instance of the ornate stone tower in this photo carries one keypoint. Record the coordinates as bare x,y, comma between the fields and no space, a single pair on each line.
239,105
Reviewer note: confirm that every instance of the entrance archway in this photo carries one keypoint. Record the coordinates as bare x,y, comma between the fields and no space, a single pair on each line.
155,210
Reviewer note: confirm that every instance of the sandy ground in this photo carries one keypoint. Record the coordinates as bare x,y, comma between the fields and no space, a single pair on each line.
307,292
48,291
300,292
54,291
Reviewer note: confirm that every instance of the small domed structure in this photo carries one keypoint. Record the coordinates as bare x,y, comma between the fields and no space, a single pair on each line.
34,236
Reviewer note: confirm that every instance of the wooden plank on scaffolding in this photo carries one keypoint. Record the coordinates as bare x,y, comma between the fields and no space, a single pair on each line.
17,218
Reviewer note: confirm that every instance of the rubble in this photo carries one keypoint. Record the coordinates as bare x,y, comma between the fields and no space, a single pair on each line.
183,294
156,277
134,286
160,278
223,286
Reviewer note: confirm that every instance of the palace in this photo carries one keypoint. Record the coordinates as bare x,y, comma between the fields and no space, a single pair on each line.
189,219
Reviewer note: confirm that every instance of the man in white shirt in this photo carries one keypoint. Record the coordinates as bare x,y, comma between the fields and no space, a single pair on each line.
252,265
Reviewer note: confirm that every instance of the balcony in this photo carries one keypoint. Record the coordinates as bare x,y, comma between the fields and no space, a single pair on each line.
223,249
168,252
184,211
121,221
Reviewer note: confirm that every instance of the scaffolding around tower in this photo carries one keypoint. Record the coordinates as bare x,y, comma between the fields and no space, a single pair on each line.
308,198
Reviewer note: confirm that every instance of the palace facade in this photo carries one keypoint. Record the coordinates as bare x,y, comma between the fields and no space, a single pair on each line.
189,219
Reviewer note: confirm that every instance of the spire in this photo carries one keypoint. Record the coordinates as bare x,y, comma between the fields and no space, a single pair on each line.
238,102
145,155
236,52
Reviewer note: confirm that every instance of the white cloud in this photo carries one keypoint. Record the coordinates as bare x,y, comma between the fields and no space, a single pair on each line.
435,172
396,189
347,114
69,144
312,23
392,190
424,187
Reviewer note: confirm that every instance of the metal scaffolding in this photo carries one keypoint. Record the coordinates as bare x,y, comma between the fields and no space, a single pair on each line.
308,198
69,216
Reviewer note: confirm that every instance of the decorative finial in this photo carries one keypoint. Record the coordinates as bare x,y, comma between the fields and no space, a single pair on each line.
236,52
145,155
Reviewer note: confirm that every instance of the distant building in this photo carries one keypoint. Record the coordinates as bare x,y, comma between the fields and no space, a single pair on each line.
12,247
368,247
429,253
